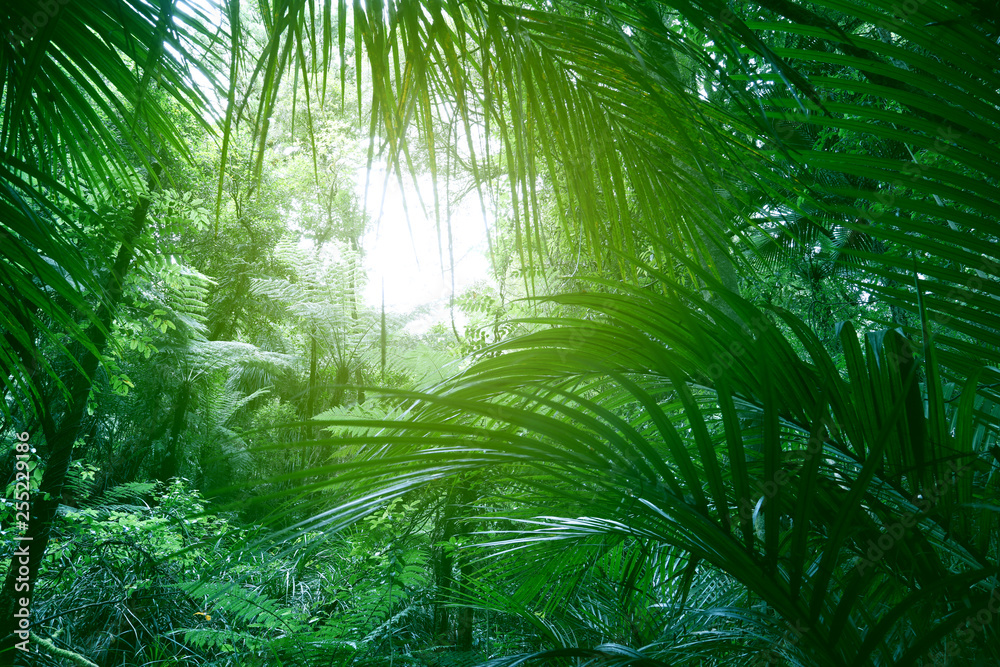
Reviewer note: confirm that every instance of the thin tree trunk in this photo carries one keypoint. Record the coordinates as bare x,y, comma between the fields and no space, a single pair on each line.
443,573
170,465
21,577
359,377
313,382
713,226
465,613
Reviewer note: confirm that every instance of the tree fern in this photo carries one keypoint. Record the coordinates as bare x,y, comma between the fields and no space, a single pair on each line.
237,618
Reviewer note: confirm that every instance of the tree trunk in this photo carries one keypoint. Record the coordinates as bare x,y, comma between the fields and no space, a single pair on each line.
170,465
359,377
443,573
313,382
21,577
713,226
463,639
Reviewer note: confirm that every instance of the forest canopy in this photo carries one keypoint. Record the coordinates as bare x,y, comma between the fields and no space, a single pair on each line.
727,394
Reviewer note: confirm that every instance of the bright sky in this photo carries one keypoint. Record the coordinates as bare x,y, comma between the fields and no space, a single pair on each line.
404,253
407,255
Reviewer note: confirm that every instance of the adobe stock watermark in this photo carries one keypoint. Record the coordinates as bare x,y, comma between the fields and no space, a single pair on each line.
893,533
944,139
987,267
943,142
974,623
46,10
900,13
792,635
769,489
725,359
22,554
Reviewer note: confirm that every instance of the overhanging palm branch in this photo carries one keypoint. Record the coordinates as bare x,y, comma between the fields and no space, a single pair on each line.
627,430
83,93
876,448
591,97
599,83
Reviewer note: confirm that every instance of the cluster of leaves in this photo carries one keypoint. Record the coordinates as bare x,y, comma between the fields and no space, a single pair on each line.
144,574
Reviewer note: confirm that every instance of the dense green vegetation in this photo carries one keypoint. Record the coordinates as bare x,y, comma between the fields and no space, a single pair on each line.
729,396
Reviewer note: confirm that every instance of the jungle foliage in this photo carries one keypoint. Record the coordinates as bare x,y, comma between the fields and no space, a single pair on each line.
729,398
